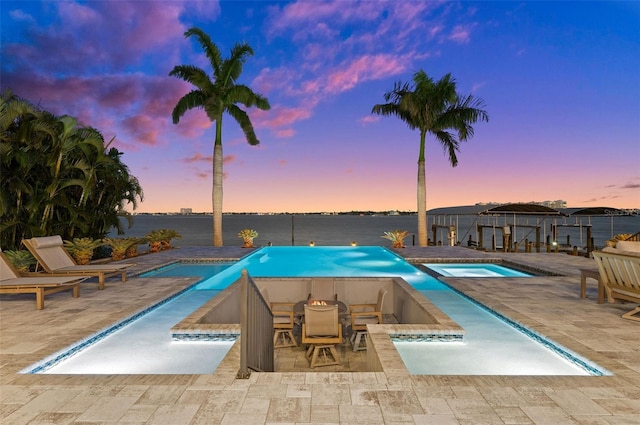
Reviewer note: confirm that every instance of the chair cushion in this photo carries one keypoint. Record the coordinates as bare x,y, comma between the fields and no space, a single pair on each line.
366,320
628,246
46,242
281,319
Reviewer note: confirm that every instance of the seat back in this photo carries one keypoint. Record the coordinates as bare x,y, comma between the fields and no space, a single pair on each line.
50,252
321,321
619,273
7,271
323,288
381,294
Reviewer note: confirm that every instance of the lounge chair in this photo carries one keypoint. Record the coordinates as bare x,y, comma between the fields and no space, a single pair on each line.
322,288
11,282
620,276
363,315
55,260
322,331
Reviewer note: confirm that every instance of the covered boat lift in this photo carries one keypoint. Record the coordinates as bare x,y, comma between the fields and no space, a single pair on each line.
504,219
580,213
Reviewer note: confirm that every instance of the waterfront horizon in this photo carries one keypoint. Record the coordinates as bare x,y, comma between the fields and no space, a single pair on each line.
339,230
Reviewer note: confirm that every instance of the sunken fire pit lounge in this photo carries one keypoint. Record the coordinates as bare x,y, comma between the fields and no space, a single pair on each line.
406,315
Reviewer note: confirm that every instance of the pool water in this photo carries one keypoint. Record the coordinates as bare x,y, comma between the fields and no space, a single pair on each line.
492,346
474,270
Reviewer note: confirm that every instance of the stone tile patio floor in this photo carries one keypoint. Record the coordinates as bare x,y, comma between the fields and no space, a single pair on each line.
547,304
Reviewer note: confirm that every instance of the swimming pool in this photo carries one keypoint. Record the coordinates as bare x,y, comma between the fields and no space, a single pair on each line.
491,342
474,270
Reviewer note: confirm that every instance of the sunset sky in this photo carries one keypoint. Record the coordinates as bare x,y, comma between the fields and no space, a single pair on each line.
560,81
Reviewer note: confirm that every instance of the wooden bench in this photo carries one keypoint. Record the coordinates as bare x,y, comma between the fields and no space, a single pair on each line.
620,275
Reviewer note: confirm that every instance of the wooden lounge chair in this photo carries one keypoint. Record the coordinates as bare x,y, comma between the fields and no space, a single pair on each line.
12,283
322,331
620,275
55,260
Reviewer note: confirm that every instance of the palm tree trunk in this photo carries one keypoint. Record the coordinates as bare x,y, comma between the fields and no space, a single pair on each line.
422,205
217,195
422,193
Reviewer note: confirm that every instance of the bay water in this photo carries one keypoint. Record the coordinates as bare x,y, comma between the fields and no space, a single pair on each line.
340,230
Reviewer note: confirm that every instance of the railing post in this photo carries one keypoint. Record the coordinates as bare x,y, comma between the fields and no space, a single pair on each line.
244,371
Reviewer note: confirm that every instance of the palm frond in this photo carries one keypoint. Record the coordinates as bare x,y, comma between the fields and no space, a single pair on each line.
232,67
244,121
240,93
194,75
191,100
209,47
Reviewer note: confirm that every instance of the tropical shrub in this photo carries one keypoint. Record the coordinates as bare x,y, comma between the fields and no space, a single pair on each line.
21,259
247,236
81,249
396,237
119,246
132,251
160,239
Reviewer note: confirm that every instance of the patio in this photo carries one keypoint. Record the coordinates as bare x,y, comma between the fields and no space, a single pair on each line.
550,305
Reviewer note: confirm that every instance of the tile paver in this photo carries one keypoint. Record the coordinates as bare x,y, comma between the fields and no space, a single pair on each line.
550,305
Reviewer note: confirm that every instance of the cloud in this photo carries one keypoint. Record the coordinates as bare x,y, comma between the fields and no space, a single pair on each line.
477,86
285,133
280,116
368,119
460,34
271,80
365,68
631,186
198,157
143,128
100,37
20,16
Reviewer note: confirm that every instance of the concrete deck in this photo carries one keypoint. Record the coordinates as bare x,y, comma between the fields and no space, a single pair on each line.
550,305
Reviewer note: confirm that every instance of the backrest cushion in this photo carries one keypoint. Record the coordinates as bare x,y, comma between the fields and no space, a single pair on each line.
46,242
628,246
321,320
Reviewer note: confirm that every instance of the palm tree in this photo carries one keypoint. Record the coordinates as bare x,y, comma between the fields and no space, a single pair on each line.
216,97
434,108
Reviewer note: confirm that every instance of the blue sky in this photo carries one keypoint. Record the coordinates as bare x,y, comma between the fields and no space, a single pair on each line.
560,81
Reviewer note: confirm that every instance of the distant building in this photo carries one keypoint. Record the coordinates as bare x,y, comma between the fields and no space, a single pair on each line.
554,204
186,211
